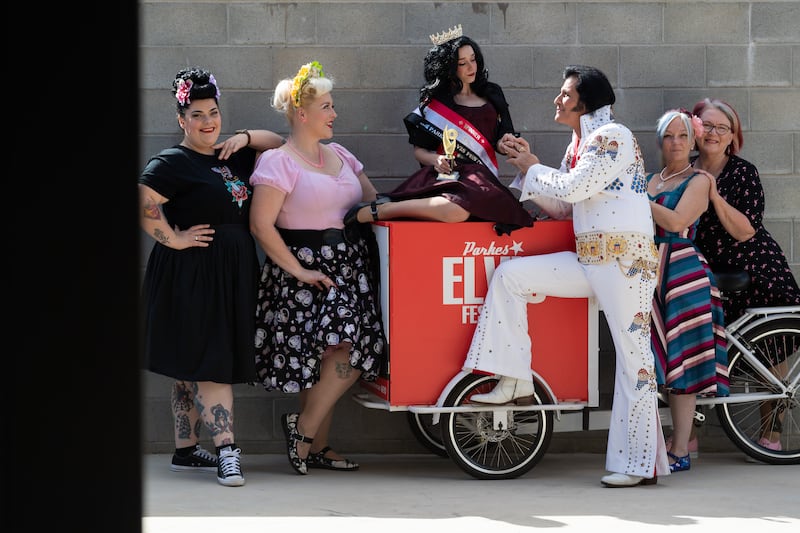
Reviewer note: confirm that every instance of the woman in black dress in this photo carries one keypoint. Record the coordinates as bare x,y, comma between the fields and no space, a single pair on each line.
731,233
457,96
199,290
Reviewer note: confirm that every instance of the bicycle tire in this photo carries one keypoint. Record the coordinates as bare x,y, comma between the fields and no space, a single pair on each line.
487,453
742,422
423,429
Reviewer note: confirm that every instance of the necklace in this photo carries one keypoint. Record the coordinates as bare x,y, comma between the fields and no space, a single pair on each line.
295,150
663,179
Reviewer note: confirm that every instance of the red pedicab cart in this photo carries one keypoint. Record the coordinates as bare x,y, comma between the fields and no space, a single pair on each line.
434,277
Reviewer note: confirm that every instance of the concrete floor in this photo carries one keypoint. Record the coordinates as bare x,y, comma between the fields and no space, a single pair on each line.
421,493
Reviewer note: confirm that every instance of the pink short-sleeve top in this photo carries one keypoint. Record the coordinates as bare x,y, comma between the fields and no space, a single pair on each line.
313,200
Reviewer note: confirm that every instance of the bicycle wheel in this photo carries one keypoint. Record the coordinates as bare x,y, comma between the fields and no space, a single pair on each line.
776,344
426,433
487,453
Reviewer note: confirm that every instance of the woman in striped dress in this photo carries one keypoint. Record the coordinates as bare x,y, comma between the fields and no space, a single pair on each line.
687,320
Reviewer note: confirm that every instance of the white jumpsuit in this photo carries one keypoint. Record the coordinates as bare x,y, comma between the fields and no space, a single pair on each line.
616,263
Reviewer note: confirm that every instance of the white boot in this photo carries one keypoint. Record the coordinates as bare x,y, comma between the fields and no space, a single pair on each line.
506,390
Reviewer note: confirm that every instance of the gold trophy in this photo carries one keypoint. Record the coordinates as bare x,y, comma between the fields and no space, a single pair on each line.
449,142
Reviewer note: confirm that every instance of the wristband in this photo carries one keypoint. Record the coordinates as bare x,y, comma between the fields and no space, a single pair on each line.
246,133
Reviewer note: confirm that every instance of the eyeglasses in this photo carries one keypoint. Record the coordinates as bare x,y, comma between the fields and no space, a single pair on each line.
722,129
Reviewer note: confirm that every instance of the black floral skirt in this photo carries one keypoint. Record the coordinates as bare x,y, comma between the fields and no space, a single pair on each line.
296,323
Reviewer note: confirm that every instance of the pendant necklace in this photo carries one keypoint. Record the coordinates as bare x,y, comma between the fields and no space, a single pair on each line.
663,179
315,165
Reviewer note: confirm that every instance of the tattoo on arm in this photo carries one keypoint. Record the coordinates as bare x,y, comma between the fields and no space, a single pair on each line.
160,236
343,370
151,210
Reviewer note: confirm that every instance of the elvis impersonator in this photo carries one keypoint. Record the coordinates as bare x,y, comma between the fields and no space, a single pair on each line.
601,184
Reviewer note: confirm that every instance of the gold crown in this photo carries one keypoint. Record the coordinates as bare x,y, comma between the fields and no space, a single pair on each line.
439,38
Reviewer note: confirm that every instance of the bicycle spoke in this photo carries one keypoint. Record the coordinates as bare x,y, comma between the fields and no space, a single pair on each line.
766,430
484,452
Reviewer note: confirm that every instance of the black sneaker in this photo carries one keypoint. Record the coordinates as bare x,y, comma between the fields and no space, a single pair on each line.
229,470
200,460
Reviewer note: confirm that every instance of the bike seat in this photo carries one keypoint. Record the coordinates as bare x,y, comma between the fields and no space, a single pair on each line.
732,281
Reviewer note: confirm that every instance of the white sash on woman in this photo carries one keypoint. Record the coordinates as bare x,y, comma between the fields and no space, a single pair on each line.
470,143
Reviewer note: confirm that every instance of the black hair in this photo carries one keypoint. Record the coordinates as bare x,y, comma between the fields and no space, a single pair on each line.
441,64
593,87
203,86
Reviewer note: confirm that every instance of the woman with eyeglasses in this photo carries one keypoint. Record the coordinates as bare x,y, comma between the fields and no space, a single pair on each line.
732,235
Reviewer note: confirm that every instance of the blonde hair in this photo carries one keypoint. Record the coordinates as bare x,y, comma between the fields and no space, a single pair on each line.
308,85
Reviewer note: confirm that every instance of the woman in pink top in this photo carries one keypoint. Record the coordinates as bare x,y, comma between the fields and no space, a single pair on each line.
318,321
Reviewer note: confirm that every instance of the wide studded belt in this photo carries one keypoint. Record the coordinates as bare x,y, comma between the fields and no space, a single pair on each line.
599,248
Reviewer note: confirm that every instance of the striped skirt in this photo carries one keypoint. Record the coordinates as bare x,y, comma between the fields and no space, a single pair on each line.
687,331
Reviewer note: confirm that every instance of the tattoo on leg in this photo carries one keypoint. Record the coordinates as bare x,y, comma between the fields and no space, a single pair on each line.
181,398
182,426
181,403
198,399
223,421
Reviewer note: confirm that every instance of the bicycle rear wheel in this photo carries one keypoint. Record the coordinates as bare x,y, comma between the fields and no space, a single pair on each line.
776,344
426,433
484,452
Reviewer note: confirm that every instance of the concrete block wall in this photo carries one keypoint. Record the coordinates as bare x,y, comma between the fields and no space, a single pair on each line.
658,55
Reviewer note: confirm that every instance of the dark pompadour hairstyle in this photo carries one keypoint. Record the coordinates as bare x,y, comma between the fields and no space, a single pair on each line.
593,87
203,85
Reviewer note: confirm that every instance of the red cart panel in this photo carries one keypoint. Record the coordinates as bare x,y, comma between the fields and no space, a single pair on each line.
434,278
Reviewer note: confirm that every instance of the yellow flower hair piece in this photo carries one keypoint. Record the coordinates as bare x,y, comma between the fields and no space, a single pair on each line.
305,72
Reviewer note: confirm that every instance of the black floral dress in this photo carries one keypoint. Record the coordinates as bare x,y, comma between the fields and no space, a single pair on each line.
772,281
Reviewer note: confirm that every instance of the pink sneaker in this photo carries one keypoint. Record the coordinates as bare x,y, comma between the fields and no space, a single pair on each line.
766,443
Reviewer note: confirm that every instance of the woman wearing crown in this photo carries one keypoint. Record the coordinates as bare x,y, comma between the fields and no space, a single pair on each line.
457,101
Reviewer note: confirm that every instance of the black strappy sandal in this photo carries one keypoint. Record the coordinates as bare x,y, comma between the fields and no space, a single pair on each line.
289,421
318,460
351,217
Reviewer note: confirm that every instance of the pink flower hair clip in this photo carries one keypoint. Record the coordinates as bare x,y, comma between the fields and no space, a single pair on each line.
183,90
697,126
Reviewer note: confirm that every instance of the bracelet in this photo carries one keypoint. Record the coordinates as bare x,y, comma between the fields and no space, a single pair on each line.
246,133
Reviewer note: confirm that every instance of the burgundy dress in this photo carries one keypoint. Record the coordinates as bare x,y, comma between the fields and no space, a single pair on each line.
477,190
